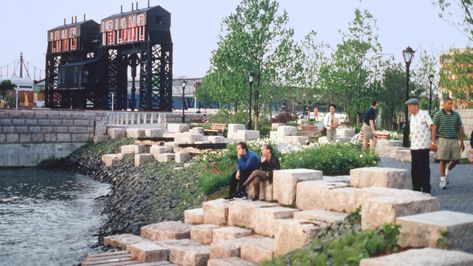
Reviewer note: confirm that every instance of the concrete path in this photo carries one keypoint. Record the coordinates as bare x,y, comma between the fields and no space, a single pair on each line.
459,194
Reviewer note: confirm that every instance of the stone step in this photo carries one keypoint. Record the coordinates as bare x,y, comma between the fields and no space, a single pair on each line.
186,252
421,257
380,177
424,230
116,132
135,133
216,211
229,232
142,158
121,241
322,216
377,211
155,263
111,159
264,219
233,261
292,234
258,250
111,258
228,248
132,149
166,231
194,216
241,212
165,157
285,183
203,233
148,251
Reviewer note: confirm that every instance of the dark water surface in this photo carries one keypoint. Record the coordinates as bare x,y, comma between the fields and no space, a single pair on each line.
48,217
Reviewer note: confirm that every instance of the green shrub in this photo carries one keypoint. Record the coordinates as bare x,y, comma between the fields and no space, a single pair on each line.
336,159
227,117
348,249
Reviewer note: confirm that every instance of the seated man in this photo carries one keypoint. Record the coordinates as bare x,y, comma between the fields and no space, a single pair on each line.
247,162
269,162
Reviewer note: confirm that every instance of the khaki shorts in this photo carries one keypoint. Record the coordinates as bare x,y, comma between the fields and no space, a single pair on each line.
448,149
367,131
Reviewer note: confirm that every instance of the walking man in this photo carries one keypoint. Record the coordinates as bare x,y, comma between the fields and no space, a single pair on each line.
247,162
421,142
368,129
448,128
331,123
269,163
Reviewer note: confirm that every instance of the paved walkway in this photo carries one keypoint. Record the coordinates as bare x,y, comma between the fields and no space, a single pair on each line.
459,194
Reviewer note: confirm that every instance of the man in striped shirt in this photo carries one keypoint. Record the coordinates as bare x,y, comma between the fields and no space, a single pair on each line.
448,129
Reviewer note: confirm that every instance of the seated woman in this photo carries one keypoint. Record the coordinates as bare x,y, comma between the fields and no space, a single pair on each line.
269,162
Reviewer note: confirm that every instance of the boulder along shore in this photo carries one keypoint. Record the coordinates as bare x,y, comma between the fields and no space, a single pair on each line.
138,196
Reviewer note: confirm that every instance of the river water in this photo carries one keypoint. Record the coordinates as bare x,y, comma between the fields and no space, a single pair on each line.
48,217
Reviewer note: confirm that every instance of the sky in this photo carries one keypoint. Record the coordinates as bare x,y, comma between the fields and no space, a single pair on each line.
195,26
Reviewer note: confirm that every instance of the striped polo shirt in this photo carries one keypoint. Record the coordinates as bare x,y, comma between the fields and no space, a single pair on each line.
447,124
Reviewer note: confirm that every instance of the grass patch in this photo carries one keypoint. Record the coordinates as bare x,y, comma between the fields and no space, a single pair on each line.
348,249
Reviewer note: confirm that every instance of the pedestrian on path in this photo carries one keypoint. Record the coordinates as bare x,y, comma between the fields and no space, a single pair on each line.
368,129
448,129
421,143
331,123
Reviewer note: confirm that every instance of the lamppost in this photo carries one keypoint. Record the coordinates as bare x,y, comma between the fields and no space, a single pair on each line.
184,83
431,80
408,54
251,77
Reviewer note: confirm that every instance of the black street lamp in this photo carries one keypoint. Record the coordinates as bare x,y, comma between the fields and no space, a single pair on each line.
431,80
408,54
184,83
251,77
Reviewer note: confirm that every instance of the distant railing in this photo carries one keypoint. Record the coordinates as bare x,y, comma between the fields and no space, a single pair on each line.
144,118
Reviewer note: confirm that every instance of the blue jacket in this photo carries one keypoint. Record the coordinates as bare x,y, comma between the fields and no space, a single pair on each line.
250,161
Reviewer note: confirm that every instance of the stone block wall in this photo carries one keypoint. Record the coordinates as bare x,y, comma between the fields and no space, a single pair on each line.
28,137
41,126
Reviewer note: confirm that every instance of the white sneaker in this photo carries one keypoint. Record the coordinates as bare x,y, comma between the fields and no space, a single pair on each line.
443,182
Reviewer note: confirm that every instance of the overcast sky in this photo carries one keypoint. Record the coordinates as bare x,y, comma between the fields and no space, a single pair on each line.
196,25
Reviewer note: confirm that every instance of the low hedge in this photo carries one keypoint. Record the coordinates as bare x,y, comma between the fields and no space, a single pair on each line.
336,159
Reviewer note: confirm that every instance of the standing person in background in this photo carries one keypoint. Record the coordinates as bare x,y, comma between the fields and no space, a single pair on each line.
316,112
448,129
331,123
421,143
368,129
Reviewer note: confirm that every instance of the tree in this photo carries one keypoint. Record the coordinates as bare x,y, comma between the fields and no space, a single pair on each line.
392,96
449,10
354,76
421,85
255,38
6,85
308,78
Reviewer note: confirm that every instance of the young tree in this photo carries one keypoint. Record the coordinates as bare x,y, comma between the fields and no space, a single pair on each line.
459,13
255,38
354,76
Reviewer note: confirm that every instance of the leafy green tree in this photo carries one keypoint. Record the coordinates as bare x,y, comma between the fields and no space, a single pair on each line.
459,13
353,78
392,96
255,38
6,85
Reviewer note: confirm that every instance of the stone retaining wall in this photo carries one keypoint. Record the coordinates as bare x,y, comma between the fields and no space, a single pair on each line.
29,136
